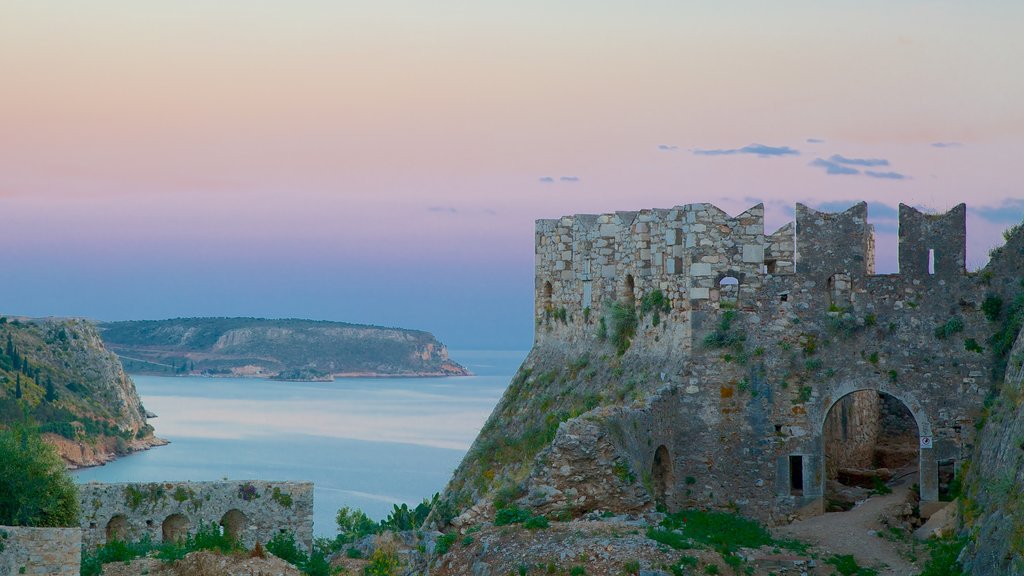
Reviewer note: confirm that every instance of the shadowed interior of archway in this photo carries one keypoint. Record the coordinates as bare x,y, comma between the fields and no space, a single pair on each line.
870,439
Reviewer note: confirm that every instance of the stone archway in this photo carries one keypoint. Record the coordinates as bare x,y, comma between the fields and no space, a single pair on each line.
117,529
175,528
661,475
234,524
870,438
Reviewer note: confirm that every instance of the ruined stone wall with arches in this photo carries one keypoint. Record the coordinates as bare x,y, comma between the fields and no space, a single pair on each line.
250,511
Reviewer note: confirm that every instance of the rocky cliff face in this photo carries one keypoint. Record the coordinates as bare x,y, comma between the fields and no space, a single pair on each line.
288,349
991,505
72,387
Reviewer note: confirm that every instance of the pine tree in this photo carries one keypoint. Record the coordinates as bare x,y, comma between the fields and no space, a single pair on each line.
51,394
17,387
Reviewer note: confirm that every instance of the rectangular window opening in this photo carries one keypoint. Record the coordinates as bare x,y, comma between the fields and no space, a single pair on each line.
931,260
796,475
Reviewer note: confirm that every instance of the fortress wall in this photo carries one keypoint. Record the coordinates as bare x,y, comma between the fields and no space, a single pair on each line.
40,551
254,511
819,327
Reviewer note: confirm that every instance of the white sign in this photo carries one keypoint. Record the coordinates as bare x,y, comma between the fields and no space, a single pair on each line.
926,442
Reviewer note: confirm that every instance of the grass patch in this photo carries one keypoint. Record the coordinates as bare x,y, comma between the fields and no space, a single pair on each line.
847,566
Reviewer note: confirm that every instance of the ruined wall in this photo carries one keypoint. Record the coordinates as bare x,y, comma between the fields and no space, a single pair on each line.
40,551
252,511
736,382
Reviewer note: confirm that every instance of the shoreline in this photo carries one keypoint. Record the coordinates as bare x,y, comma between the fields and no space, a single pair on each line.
328,378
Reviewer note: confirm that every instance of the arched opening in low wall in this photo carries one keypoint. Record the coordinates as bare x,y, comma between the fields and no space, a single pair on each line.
175,528
661,475
870,441
117,529
234,524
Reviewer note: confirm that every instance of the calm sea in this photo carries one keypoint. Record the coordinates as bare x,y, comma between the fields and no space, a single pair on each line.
365,443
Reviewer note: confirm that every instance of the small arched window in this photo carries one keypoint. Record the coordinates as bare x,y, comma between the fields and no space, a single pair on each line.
629,291
728,292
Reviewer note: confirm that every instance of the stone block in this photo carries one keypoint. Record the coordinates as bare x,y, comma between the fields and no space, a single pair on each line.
700,269
753,253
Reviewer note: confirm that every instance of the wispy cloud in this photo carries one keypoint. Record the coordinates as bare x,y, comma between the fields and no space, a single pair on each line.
833,168
759,149
443,209
839,159
569,178
668,147
946,145
814,141
1009,212
886,175
546,179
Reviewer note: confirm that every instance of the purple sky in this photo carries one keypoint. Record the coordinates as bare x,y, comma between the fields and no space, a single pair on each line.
384,162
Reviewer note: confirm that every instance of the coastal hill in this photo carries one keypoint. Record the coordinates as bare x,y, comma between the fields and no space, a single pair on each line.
288,349
56,375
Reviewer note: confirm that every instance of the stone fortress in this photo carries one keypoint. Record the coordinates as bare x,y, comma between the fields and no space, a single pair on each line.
752,339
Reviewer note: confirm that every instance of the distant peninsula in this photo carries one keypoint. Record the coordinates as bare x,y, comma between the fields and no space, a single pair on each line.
286,349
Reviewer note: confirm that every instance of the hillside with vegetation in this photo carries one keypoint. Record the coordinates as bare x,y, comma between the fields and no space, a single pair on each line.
58,378
287,349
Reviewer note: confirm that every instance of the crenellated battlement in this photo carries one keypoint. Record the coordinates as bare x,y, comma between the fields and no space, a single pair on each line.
697,254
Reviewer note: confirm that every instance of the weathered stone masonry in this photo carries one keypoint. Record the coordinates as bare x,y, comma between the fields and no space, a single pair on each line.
252,511
809,321
40,551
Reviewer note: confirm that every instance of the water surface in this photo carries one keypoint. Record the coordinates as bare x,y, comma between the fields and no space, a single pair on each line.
367,443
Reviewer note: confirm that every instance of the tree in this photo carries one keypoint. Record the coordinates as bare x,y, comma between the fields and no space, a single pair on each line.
353,524
17,387
35,489
51,394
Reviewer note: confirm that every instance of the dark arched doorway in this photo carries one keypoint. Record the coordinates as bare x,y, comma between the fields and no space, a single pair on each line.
871,442
661,475
175,528
117,529
234,522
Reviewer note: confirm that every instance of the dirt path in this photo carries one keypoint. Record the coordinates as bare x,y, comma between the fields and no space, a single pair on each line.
853,533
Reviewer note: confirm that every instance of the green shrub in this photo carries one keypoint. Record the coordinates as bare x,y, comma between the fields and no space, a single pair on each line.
511,515
943,554
971,345
383,562
623,326
353,524
952,326
284,546
536,523
207,537
444,543
725,334
992,307
113,551
37,490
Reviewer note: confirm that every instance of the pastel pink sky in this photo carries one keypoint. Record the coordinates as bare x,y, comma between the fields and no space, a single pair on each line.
383,161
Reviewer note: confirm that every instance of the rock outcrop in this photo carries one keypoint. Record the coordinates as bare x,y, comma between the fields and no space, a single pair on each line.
72,387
